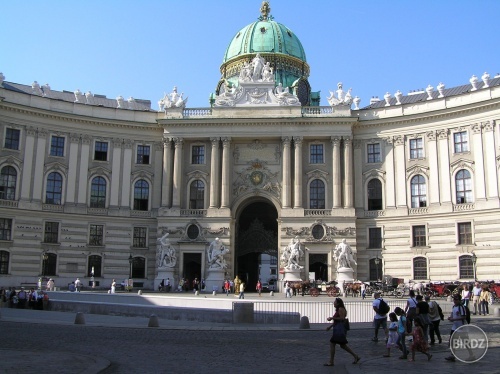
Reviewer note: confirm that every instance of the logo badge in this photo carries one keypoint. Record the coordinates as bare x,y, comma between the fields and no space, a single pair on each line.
469,343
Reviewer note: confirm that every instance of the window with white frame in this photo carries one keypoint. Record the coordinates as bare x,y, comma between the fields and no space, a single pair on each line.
375,237
420,268
51,232
465,267
419,236
140,237
464,233
317,194
138,267
461,142
4,262
143,154
101,151
418,190
94,268
374,192
373,153
316,154
416,148
96,235
57,146
8,182
98,193
12,138
141,195
197,195
198,154
53,193
463,187
5,229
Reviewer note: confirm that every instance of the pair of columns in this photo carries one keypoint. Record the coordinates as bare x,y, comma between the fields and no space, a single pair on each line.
336,172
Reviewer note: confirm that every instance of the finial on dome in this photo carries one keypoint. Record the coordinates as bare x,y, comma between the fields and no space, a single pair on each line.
265,9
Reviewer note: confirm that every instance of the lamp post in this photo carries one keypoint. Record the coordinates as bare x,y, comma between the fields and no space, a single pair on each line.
45,257
377,262
92,279
474,260
130,260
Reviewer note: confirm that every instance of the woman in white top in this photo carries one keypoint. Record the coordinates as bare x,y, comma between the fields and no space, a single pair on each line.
465,295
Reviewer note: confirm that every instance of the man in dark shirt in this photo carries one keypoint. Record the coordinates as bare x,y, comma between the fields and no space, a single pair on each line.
423,314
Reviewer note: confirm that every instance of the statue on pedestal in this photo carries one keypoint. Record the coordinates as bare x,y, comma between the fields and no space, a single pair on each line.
215,255
166,253
292,253
343,255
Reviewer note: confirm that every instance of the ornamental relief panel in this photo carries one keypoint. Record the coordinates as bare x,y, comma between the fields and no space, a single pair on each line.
330,233
257,177
270,153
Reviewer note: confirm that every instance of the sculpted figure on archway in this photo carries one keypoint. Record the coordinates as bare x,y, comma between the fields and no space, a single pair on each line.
215,255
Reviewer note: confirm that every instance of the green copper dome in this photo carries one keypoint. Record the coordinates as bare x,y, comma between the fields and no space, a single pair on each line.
265,36
278,45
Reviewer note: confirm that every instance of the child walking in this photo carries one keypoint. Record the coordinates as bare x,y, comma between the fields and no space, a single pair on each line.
402,332
393,334
419,343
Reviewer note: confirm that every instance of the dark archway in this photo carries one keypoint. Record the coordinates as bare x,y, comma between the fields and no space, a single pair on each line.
318,264
192,267
257,232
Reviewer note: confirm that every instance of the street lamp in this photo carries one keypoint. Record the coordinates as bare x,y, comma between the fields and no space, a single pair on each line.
130,260
474,260
377,262
45,257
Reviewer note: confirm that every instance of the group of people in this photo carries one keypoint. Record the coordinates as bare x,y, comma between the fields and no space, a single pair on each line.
419,320
22,299
480,296
237,287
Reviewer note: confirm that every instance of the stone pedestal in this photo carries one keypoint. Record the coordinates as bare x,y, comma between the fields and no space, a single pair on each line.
163,274
292,275
344,275
214,280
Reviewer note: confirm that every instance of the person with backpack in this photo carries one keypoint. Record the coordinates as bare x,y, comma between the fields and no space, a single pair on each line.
436,316
381,309
458,317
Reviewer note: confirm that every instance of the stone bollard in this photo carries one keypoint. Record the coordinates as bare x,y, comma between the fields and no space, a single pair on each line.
243,312
496,312
304,323
139,292
271,293
80,319
196,293
153,321
214,293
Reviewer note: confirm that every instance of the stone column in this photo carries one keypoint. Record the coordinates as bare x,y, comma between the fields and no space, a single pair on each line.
226,169
166,186
84,169
336,175
390,187
297,140
115,174
74,159
29,162
358,175
286,197
39,165
400,160
349,193
479,177
491,175
214,173
177,175
432,194
444,166
127,156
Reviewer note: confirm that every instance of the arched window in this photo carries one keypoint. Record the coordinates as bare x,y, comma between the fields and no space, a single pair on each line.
197,195
317,194
463,183
141,195
374,195
418,192
138,267
8,180
94,265
98,193
419,268
4,262
54,189
49,263
466,267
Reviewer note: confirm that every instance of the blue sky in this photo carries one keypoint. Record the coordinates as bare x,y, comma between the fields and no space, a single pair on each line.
144,48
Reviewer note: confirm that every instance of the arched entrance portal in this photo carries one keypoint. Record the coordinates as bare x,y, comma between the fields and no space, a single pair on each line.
257,244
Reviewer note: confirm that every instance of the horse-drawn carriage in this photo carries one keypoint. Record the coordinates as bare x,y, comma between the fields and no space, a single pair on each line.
495,291
303,287
443,289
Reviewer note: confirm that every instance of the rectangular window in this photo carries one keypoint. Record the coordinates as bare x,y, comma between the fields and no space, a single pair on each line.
143,152
464,233
416,148
317,153
101,151
12,138
373,151
51,232
140,234
198,154
96,235
5,229
461,141
375,237
57,146
419,236
4,262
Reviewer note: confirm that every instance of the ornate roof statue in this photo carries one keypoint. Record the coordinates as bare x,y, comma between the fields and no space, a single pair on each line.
265,10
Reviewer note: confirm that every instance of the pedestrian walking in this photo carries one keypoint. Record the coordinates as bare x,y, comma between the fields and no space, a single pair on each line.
401,332
419,344
410,311
242,291
436,316
258,287
339,333
113,286
466,294
393,334
288,290
380,320
476,294
363,290
78,285
423,315
457,316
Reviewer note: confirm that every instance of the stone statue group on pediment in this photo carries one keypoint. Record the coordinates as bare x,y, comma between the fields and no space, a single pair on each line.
340,97
172,100
258,70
